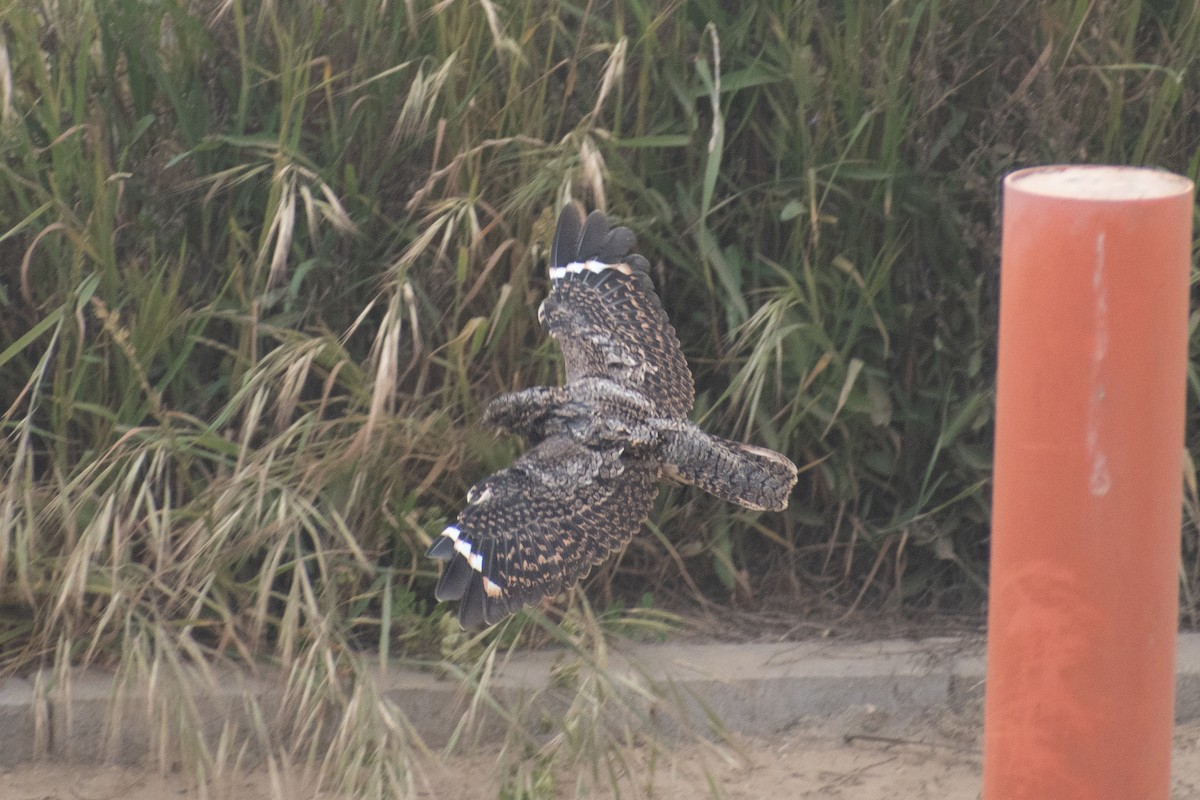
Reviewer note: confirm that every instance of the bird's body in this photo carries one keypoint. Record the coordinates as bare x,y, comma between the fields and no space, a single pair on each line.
600,443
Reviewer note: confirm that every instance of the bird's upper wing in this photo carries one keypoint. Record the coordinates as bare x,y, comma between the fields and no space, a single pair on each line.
604,313
539,526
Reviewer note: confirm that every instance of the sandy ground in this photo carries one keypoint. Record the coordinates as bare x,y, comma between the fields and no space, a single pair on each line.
861,754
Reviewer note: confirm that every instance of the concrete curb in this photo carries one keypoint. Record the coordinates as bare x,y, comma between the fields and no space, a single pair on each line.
750,688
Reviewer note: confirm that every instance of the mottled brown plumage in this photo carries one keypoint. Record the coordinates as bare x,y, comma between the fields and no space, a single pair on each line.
600,442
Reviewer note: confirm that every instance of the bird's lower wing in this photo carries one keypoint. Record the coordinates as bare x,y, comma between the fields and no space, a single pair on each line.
538,527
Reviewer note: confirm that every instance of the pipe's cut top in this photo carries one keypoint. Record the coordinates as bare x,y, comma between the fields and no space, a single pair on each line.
1099,182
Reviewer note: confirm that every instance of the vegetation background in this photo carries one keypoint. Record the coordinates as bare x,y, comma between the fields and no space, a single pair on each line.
263,264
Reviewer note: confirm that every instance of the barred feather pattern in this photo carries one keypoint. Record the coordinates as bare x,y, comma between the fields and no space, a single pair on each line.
599,443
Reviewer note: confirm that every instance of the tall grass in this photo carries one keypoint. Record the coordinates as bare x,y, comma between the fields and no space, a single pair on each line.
262,264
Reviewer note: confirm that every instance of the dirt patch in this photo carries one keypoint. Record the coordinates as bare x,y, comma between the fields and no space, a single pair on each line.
861,754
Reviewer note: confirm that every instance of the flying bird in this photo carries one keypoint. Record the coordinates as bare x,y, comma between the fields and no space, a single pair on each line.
599,444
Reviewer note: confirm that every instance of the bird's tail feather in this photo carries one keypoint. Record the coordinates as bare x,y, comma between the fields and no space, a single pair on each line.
754,477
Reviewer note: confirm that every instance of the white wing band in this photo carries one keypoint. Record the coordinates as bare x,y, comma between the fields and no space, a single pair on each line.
575,267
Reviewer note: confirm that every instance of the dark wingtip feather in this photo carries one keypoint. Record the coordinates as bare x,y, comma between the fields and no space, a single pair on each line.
460,581
595,234
470,608
577,238
456,580
566,235
616,246
441,549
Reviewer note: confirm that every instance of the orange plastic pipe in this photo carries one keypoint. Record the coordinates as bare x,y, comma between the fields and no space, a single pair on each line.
1086,516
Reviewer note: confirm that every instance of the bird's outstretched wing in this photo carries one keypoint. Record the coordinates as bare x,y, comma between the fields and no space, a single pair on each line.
604,313
538,527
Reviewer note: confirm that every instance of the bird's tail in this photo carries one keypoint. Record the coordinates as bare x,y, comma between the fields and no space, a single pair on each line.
754,477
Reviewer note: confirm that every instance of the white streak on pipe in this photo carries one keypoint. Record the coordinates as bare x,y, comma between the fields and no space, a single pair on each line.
1101,479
